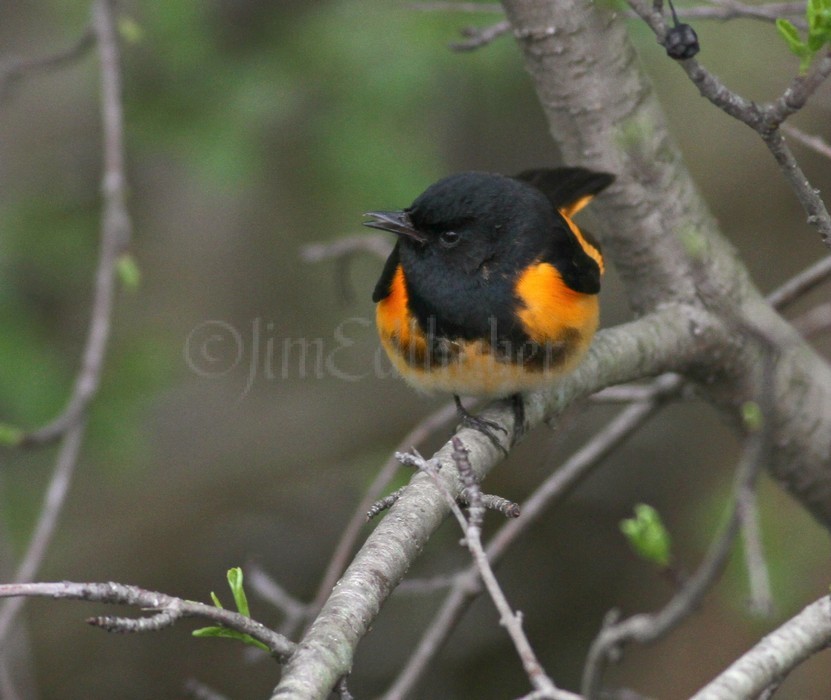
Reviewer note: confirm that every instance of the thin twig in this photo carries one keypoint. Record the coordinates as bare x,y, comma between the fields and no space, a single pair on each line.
814,321
167,609
374,243
646,628
384,503
294,611
15,69
472,527
53,502
199,691
556,487
116,230
808,196
761,597
799,285
815,143
765,119
797,94
477,37
731,9
490,501
344,548
626,393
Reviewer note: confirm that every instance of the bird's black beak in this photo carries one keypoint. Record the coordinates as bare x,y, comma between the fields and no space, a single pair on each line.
397,222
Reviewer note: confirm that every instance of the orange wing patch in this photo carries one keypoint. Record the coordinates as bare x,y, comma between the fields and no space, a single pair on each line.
569,211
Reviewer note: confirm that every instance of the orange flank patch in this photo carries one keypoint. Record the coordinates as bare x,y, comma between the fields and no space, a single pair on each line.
552,310
553,315
392,311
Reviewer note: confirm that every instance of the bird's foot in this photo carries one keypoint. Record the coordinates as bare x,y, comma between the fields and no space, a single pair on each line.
483,425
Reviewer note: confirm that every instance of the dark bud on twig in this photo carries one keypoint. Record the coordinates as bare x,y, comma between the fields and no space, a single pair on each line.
126,625
501,505
681,42
385,503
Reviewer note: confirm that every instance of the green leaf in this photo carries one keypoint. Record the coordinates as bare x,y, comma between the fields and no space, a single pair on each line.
791,36
819,24
240,599
128,272
10,435
812,10
235,579
130,30
213,632
226,633
647,535
752,415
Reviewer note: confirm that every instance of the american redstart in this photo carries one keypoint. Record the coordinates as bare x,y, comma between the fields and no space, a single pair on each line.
491,288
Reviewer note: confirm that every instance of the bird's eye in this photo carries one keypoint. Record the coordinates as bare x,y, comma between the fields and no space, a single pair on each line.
449,238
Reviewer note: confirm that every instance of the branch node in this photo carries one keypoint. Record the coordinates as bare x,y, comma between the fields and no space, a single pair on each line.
384,503
490,501
128,625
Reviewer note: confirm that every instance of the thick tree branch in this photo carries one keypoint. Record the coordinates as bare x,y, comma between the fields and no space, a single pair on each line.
466,586
775,656
641,348
659,234
716,9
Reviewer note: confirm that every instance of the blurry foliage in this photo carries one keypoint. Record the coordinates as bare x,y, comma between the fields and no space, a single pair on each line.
818,16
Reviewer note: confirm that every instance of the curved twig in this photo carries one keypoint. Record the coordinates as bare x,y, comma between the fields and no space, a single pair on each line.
115,233
116,230
166,609
15,69
765,119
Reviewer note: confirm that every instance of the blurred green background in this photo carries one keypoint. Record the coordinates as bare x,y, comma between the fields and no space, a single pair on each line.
254,128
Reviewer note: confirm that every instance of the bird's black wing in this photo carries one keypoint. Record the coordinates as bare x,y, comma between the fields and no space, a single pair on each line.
565,186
